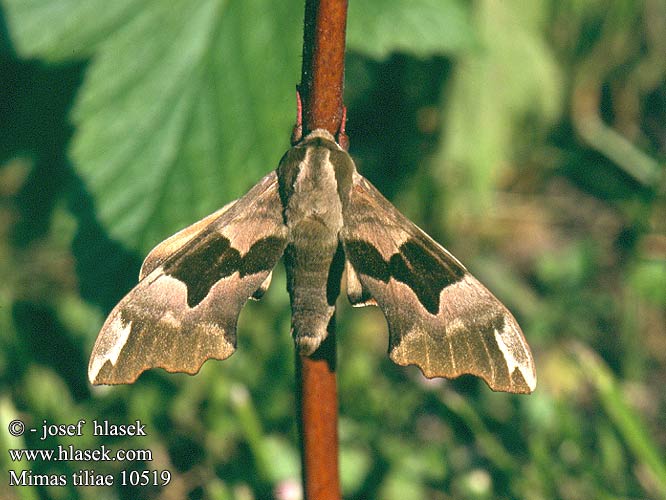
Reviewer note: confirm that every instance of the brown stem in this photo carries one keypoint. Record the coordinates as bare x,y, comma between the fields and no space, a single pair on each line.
323,64
321,90
315,378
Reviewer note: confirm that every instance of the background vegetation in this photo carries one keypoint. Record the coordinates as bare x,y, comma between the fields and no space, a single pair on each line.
528,137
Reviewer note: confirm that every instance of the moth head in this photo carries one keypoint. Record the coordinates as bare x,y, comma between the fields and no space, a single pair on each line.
319,136
313,156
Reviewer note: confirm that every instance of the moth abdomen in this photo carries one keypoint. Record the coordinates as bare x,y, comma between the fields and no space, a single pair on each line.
311,276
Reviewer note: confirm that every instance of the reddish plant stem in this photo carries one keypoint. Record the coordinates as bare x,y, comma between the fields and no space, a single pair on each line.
318,422
323,64
321,90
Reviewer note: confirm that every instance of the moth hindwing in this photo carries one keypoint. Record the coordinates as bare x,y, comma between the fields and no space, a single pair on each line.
324,217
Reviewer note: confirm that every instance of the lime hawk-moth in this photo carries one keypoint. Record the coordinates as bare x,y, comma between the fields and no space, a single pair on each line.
324,217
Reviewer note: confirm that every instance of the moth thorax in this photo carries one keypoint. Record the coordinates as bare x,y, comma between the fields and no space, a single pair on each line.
315,199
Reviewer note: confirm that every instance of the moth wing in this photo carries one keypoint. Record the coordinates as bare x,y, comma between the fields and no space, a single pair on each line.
185,308
172,244
439,316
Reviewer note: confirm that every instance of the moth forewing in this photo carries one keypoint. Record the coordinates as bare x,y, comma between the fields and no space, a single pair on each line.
473,333
146,330
440,317
172,244
185,309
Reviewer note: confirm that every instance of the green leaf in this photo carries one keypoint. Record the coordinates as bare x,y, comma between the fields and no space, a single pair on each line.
195,124
185,104
62,30
420,27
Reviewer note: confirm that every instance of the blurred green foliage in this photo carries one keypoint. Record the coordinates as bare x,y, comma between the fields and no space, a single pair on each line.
529,137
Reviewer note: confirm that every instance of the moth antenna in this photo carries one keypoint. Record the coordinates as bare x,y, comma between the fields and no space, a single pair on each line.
297,132
343,138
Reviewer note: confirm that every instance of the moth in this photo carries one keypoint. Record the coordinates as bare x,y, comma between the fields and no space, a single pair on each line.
326,220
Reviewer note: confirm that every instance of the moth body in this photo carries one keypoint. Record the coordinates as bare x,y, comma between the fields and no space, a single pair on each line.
312,201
